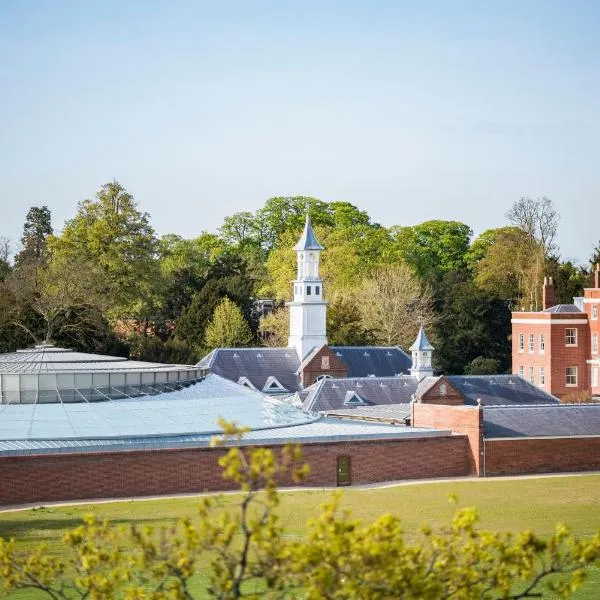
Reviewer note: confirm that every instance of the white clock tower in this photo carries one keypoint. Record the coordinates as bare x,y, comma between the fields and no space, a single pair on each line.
308,309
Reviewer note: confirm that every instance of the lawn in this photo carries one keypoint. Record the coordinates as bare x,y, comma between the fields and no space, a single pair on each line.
504,504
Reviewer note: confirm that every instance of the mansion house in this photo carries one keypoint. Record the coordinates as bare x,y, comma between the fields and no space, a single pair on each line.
557,348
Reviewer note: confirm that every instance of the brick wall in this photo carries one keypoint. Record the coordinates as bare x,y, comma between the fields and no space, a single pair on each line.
530,455
324,362
557,356
592,298
466,420
46,478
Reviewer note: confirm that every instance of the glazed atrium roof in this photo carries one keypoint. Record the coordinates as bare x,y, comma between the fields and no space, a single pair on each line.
48,374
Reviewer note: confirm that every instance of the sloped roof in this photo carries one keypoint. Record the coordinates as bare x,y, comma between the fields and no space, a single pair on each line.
421,343
383,412
499,390
191,410
426,384
307,240
563,308
47,358
256,364
378,361
330,394
562,420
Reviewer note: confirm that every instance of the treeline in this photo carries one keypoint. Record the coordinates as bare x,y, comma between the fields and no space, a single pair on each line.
109,284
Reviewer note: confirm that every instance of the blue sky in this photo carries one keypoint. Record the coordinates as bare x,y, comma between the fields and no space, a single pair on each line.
410,110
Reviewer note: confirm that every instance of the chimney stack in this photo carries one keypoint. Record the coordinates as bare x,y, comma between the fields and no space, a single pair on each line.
597,276
547,293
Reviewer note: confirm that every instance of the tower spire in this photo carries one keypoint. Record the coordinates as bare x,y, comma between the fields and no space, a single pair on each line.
422,351
307,309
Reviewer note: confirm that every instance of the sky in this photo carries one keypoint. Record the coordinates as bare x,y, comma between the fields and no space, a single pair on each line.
409,110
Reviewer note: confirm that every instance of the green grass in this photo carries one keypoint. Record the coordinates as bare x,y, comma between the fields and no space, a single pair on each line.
504,505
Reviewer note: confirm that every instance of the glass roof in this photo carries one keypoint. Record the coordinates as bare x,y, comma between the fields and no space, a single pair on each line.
190,410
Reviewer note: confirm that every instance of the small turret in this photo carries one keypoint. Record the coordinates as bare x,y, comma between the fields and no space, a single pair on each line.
422,351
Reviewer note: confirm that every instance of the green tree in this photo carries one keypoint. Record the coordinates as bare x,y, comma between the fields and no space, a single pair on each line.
434,248
5,266
226,278
483,366
227,327
344,324
510,267
110,232
470,323
36,231
274,328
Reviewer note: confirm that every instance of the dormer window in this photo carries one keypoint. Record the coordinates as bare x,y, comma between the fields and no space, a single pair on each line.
244,381
353,399
272,385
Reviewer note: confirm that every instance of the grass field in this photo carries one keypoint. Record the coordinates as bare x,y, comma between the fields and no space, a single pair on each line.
504,504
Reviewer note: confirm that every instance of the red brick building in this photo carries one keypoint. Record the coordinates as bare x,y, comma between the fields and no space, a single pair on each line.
557,347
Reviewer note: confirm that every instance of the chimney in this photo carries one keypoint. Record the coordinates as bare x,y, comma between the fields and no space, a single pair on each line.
547,293
597,276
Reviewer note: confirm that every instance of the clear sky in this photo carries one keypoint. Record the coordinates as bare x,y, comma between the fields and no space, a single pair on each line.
409,110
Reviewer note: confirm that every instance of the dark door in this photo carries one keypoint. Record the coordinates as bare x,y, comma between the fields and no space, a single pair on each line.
344,475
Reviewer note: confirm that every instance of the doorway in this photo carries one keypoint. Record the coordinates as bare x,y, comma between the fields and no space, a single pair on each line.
344,474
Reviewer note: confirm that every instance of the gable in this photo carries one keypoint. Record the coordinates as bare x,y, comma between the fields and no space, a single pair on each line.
442,392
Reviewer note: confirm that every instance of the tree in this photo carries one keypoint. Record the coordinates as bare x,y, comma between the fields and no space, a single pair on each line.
483,366
345,326
274,328
5,250
62,292
36,231
509,266
247,553
393,303
227,277
470,323
433,248
110,232
538,219
227,328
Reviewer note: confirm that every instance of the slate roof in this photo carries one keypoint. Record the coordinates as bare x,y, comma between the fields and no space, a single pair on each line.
330,394
563,420
256,364
563,308
378,361
421,343
307,240
499,390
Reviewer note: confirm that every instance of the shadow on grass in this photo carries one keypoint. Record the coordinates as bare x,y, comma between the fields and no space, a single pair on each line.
32,530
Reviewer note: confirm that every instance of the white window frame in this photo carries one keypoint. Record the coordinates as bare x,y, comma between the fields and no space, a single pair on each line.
531,342
594,377
531,375
542,377
542,343
594,312
571,334
522,371
521,342
594,343
571,377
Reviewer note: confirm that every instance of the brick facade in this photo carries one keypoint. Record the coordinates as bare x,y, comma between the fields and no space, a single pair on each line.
541,455
465,420
45,478
442,392
556,355
324,362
